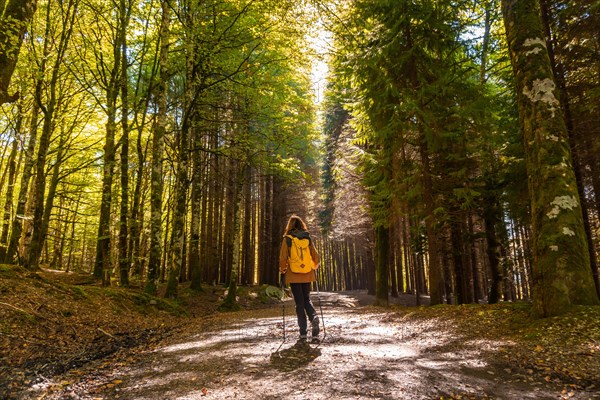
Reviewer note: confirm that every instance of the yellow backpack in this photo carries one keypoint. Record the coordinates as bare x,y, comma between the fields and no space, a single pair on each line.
300,260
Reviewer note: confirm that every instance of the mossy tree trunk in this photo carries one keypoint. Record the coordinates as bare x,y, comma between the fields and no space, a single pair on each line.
14,16
576,149
561,267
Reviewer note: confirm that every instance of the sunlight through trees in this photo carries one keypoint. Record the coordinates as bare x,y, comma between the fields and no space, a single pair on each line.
153,143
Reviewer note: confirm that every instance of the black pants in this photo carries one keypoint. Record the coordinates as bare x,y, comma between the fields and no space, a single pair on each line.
301,292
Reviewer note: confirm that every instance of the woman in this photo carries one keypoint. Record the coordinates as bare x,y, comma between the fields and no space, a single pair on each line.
298,260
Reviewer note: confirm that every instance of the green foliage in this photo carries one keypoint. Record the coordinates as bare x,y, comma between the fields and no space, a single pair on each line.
401,91
237,68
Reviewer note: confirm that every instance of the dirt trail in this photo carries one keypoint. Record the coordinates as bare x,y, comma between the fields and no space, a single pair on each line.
365,355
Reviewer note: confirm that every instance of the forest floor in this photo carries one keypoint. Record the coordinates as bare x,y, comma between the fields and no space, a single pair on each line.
62,337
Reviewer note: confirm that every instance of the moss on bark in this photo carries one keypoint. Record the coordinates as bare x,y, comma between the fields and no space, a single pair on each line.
561,272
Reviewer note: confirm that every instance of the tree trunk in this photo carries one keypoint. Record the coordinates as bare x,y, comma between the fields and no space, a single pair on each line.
559,77
8,202
277,225
491,218
102,265
382,270
176,251
436,276
197,214
158,146
230,302
72,239
19,216
211,247
39,187
393,260
124,255
247,249
40,221
229,226
457,261
52,187
561,267
188,129
486,40
137,215
475,287
14,17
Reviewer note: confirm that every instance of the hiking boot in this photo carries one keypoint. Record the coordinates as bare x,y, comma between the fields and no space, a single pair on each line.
315,326
303,336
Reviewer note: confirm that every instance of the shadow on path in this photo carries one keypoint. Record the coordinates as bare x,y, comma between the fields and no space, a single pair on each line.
367,355
300,354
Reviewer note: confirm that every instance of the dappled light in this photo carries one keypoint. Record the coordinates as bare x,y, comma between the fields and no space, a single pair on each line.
368,353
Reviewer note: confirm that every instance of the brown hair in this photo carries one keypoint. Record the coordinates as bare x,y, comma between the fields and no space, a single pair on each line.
295,223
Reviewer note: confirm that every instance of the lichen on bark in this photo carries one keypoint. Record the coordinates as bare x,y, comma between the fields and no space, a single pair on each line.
561,272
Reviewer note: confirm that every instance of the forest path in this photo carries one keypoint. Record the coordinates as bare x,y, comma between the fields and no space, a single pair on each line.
368,353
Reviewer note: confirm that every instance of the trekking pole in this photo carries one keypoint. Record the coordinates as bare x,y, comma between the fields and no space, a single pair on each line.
281,279
321,308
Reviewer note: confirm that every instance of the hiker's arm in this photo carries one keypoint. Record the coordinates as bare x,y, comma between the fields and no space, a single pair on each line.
283,257
315,256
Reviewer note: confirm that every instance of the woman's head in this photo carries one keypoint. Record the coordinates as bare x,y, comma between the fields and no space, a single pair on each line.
295,223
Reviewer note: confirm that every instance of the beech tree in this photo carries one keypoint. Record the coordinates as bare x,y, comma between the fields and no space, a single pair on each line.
14,16
42,205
